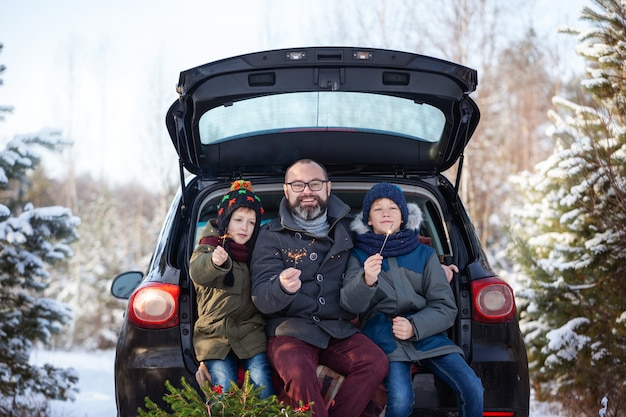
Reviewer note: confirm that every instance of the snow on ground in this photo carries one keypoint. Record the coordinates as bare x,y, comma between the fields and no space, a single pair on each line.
96,384
97,395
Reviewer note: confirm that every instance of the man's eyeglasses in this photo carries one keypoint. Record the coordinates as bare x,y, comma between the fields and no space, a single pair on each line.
299,186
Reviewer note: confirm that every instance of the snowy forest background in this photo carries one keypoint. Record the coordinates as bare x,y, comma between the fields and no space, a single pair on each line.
544,181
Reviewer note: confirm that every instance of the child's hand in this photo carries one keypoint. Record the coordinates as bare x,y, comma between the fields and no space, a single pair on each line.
402,328
290,280
202,375
219,256
371,268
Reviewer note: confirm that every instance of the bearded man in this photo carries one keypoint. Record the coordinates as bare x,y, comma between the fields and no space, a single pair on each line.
297,268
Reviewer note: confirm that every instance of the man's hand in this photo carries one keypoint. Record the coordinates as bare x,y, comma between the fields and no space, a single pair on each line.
450,270
371,268
202,375
402,328
290,280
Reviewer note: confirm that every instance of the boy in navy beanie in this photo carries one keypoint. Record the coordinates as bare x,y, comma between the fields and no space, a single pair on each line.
404,301
386,190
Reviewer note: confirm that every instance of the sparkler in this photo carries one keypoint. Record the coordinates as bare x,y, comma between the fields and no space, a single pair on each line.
386,237
296,255
224,237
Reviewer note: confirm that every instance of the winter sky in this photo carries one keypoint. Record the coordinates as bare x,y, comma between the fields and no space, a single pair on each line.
104,73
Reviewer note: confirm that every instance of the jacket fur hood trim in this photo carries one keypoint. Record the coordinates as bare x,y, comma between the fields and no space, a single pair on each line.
415,220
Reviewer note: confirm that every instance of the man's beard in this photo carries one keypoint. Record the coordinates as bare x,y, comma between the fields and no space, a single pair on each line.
310,213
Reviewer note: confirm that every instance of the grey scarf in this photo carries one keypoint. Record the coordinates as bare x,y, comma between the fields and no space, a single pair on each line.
316,227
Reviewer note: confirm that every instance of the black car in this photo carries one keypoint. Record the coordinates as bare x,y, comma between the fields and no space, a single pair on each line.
368,115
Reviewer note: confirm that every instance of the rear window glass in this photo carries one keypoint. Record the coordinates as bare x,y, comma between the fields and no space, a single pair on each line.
326,110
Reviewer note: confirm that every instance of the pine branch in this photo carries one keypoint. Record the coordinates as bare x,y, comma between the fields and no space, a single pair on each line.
236,402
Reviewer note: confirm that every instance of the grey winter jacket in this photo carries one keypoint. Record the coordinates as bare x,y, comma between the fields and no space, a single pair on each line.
411,285
313,313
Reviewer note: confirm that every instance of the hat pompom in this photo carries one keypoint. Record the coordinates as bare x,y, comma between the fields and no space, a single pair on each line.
241,184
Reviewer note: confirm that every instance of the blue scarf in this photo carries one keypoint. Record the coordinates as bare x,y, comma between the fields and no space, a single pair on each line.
400,243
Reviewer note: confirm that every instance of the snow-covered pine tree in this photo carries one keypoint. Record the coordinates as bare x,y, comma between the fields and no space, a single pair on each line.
571,234
30,239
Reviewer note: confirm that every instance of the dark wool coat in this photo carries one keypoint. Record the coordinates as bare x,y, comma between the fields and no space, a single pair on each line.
313,313
227,318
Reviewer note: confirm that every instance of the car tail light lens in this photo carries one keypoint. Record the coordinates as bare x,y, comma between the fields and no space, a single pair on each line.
154,306
498,414
494,301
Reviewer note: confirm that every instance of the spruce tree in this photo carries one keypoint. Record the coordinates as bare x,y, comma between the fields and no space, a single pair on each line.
30,240
571,234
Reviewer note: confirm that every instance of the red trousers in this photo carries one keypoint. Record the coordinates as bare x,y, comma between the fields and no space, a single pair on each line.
357,358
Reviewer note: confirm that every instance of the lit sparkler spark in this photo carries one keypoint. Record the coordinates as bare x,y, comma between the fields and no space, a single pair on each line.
386,237
296,255
224,237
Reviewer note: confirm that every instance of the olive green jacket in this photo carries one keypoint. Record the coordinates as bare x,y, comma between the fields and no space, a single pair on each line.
227,318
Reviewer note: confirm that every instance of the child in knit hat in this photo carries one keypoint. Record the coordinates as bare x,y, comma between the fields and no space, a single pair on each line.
230,330
405,302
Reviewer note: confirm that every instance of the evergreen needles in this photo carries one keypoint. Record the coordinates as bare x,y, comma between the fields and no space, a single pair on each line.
237,402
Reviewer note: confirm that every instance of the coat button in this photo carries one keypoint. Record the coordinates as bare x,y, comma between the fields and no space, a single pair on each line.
316,319
319,277
321,300
313,256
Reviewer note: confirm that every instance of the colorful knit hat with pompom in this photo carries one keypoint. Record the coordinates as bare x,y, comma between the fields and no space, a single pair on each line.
240,195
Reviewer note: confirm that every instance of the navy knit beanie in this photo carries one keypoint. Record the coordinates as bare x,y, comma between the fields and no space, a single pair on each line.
385,190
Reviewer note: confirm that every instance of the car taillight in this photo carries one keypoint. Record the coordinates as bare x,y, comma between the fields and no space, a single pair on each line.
498,414
154,306
494,301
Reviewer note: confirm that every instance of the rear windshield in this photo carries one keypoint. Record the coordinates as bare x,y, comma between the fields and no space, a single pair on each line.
326,110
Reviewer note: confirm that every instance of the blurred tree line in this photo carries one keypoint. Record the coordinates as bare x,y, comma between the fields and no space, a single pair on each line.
519,72
119,226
